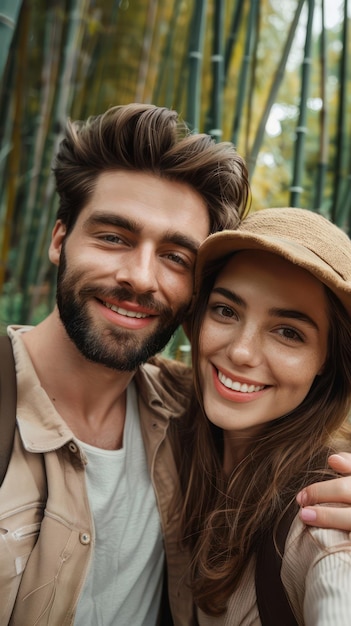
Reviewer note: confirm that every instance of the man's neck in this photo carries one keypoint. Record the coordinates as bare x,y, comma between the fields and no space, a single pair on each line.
90,397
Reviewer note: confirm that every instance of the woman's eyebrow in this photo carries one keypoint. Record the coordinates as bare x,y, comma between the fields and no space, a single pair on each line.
294,314
231,295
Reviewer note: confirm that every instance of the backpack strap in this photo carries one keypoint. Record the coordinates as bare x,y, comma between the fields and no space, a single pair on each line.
273,604
8,403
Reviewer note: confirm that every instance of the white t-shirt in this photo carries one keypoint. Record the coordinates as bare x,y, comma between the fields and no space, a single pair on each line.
124,582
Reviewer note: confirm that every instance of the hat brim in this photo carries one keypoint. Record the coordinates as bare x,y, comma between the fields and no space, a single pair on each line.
225,243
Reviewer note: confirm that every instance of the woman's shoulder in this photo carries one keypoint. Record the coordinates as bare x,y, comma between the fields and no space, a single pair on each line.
315,561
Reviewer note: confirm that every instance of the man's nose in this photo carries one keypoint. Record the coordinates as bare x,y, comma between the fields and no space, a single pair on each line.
138,271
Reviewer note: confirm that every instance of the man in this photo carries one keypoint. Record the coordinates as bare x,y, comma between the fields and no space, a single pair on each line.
88,507
86,499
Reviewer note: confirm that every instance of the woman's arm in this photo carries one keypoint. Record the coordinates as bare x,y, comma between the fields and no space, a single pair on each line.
313,513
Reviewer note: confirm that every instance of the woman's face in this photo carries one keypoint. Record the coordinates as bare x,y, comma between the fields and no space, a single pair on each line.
262,342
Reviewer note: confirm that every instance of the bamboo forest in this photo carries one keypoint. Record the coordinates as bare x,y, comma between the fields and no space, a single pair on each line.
271,76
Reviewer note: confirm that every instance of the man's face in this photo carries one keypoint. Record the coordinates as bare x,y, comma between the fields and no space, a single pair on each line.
125,276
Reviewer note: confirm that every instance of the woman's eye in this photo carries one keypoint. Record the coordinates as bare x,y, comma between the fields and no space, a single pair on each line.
290,333
224,311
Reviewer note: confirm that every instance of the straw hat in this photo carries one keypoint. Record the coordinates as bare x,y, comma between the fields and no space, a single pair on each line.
300,236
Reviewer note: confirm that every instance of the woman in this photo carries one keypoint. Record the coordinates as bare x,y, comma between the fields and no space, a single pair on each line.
271,337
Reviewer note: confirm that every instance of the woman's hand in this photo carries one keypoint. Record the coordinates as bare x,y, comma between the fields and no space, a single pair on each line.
338,490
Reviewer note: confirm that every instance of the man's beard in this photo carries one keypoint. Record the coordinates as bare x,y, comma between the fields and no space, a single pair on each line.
117,348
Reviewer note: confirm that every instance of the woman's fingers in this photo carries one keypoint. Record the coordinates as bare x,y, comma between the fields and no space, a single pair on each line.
337,490
327,517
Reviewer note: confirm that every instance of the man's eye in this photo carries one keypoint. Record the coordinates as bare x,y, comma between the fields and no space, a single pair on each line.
111,238
177,258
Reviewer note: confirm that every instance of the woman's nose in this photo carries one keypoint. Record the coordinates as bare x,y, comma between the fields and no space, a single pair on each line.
245,347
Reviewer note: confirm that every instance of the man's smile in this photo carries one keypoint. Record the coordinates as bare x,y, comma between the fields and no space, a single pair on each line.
122,311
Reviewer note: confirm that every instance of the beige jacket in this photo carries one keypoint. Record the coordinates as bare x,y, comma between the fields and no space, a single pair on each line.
46,527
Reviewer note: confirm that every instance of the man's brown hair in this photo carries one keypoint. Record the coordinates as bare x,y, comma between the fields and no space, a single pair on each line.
146,138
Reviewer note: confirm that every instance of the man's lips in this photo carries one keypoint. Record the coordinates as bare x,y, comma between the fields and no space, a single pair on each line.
122,311
130,309
130,316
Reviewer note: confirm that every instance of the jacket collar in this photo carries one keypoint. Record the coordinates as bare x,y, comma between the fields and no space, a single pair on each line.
43,429
156,387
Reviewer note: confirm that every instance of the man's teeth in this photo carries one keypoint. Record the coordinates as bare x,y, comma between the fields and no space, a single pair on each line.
118,309
236,386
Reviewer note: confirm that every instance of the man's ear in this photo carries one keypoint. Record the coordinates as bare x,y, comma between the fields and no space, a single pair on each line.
57,237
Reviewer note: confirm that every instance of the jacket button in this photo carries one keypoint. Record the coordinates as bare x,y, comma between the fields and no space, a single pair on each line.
84,538
72,447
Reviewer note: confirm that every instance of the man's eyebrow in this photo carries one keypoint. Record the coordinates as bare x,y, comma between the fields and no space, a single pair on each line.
173,237
275,311
181,240
110,219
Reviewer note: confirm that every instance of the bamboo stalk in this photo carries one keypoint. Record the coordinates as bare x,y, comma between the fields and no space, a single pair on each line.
52,43
301,129
166,72
278,77
339,211
146,50
244,71
217,59
346,200
9,13
61,109
233,35
324,115
197,36
251,88
8,97
15,152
